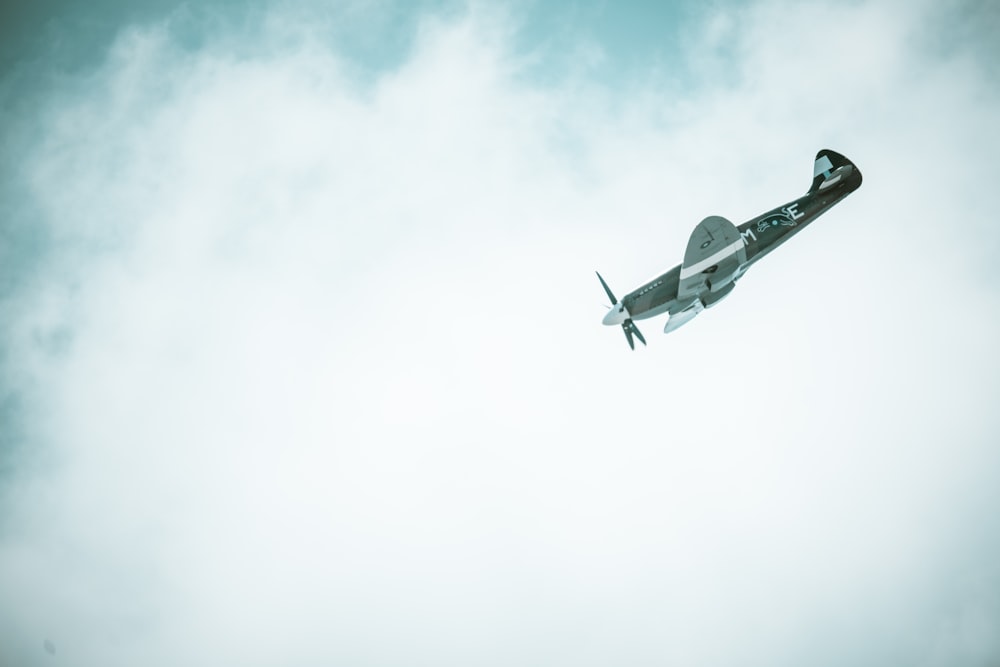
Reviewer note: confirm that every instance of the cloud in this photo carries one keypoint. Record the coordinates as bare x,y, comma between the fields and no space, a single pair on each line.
305,366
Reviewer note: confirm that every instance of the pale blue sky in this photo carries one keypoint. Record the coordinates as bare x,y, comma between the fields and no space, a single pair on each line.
301,358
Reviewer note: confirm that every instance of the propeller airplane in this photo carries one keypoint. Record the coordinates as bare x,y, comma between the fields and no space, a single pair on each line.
719,253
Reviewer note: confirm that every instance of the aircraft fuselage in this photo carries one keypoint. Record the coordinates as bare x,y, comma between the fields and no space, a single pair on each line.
701,282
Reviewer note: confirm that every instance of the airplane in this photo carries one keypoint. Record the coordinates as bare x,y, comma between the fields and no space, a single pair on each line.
719,253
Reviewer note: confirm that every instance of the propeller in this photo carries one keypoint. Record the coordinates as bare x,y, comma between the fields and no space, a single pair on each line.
628,326
607,290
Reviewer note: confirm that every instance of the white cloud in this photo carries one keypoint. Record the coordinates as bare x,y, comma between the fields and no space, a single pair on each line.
316,365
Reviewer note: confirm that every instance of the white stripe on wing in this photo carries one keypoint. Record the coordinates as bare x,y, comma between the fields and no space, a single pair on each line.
688,271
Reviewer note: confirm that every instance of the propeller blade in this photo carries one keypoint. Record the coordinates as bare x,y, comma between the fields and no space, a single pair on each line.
628,336
607,290
635,330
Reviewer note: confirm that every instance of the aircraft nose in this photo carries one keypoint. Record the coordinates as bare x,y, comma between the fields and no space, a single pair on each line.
616,315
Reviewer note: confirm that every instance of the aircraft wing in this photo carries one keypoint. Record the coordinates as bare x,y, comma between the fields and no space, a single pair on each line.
714,253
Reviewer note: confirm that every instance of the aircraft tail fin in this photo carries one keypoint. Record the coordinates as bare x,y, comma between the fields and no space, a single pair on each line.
832,169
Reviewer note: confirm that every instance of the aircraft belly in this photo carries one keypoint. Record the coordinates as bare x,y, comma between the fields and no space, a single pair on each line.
653,312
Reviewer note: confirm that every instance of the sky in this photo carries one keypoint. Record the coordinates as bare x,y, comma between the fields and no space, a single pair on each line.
301,356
